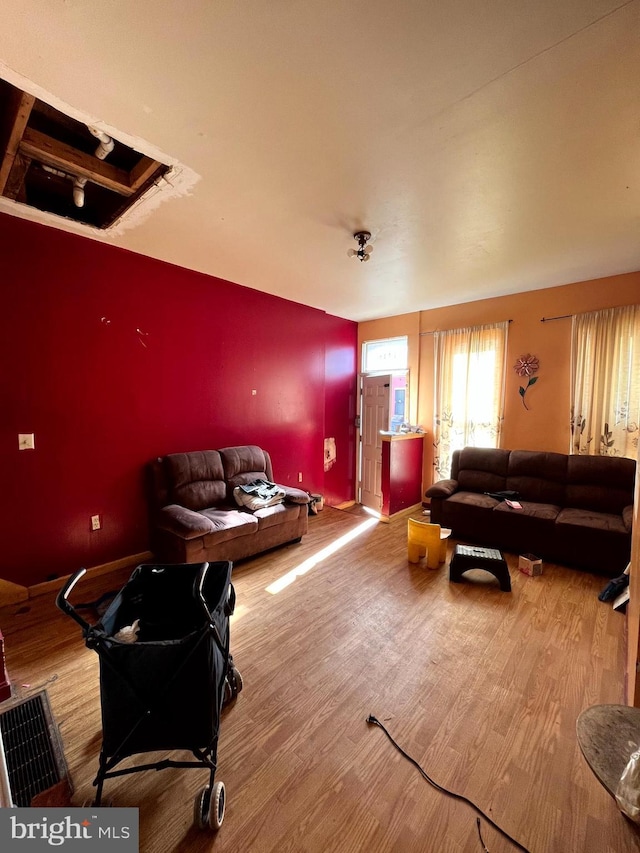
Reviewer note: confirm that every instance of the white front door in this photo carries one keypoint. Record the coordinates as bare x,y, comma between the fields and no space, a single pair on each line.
374,416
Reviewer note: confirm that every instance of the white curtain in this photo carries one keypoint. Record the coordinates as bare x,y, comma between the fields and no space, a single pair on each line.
469,390
605,382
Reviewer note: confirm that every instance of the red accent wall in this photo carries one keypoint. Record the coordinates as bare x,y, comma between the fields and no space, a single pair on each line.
340,412
112,358
401,474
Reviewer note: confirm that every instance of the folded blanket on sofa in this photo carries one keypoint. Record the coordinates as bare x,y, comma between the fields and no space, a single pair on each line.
258,494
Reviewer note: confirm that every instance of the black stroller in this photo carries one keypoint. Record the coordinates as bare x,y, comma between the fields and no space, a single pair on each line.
165,670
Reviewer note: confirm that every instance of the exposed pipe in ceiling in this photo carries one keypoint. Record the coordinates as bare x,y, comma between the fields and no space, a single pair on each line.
78,191
106,143
105,147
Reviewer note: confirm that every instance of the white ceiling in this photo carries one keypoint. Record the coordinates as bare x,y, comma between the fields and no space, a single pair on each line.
490,147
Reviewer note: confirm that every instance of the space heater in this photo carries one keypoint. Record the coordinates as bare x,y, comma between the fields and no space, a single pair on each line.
33,771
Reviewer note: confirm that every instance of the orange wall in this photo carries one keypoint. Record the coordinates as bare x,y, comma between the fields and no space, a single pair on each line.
546,425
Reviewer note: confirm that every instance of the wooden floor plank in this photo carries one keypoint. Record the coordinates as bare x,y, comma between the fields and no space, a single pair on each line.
481,687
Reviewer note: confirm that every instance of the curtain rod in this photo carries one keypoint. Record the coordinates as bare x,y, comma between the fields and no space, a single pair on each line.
433,331
567,316
561,317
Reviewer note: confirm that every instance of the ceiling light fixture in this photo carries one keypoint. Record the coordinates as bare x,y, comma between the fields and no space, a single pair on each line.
363,252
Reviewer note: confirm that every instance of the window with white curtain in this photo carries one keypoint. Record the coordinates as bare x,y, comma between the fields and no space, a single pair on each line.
469,390
605,382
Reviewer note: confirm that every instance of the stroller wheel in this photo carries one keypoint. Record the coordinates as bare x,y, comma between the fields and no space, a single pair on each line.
217,806
208,809
239,681
201,806
232,685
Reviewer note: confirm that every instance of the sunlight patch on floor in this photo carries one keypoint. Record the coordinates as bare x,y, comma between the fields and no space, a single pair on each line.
239,612
372,512
306,566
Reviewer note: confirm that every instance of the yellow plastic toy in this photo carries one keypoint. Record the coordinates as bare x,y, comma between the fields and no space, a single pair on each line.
424,538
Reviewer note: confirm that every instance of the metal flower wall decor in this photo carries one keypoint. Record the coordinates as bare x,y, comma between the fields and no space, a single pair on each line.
527,365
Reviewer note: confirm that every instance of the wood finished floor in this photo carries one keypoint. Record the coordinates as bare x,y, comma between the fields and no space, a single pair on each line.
481,687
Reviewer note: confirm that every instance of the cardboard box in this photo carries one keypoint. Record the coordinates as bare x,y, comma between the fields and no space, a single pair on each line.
530,565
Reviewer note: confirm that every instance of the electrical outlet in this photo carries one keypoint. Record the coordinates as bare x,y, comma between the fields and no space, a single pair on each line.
299,476
96,524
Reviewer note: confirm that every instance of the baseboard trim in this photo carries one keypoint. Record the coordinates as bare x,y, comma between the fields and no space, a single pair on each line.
94,572
405,511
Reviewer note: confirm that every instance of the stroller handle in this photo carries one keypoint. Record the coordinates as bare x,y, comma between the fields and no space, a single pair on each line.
200,587
230,603
62,599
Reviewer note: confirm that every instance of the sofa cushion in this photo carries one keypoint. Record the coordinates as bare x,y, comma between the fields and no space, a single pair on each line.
272,515
228,524
591,519
538,476
547,512
593,540
603,483
466,510
531,528
490,459
481,501
196,479
480,469
627,518
469,514
244,464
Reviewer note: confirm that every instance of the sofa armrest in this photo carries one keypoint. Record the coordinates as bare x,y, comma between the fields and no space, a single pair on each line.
293,495
627,517
442,489
184,522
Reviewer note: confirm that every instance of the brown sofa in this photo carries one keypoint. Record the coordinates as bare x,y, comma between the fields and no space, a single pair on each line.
194,514
576,510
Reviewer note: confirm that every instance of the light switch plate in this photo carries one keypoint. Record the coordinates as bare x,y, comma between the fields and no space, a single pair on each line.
26,441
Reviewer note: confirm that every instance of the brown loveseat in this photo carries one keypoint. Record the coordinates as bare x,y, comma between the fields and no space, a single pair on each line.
194,514
576,510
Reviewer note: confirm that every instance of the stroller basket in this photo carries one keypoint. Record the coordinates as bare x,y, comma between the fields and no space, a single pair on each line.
163,649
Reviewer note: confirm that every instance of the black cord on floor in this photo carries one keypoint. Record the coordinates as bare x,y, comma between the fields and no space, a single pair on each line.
374,721
485,849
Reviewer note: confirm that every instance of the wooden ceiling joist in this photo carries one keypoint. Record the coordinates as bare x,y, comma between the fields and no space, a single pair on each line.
34,134
59,155
141,172
19,112
14,187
